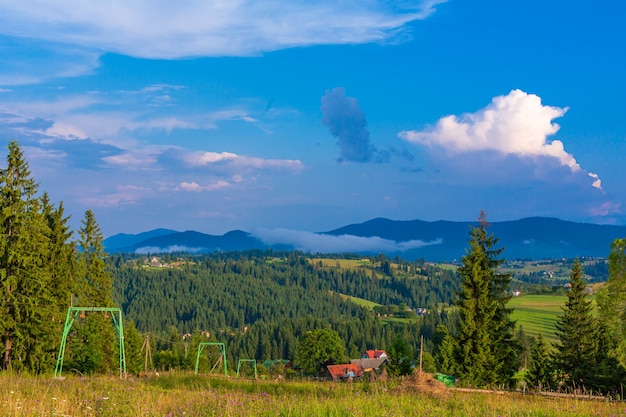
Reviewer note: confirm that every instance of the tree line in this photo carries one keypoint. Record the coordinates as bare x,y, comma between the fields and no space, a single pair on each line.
43,271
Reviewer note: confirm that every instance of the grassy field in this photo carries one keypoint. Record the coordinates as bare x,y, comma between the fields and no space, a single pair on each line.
360,301
366,265
537,313
189,396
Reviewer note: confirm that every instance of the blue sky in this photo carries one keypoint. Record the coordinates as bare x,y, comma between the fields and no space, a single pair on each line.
278,117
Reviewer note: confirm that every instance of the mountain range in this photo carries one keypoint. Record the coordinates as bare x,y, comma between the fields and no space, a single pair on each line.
528,238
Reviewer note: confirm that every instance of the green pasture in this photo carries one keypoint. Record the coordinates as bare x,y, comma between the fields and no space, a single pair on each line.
365,264
359,301
537,313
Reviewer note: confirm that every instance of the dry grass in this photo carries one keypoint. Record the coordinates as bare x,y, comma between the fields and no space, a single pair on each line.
186,395
424,384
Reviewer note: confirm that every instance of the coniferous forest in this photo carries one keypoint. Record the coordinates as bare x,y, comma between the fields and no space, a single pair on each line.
267,305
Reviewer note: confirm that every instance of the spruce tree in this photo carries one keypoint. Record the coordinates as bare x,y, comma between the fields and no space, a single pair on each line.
485,348
60,262
400,358
575,354
60,257
98,281
608,373
24,291
445,359
539,375
611,301
96,347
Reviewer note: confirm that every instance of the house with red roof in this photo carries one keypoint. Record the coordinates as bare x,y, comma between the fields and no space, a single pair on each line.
374,354
343,372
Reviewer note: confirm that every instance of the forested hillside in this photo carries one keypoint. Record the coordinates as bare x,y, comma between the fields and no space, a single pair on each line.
261,302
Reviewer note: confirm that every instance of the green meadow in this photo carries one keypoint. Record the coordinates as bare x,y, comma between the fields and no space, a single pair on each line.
537,313
186,395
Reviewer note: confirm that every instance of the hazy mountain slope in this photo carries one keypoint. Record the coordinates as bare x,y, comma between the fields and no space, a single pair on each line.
124,240
532,238
191,241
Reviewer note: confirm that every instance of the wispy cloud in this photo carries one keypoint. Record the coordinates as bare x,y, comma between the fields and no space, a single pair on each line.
123,195
216,159
26,61
195,187
514,124
111,115
314,242
145,250
212,28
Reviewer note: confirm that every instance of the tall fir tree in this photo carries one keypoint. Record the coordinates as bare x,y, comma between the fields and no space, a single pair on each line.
60,261
609,374
485,347
611,301
96,348
575,352
24,290
60,258
98,281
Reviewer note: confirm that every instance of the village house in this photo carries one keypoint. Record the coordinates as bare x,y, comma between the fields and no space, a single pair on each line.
370,364
374,354
343,372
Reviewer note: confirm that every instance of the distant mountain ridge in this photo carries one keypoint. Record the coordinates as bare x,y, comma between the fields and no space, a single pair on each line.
528,238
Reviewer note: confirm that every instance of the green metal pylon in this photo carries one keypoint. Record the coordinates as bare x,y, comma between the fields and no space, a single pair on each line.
72,312
222,348
253,361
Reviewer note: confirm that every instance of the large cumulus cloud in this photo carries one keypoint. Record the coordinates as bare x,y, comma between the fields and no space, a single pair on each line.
516,124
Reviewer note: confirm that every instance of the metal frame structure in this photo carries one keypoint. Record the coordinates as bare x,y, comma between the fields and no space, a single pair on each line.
253,361
72,313
222,348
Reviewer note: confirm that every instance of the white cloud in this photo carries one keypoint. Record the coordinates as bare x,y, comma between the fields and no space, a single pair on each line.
598,182
188,28
195,187
169,249
314,242
514,124
137,159
107,116
162,87
122,195
37,154
205,159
